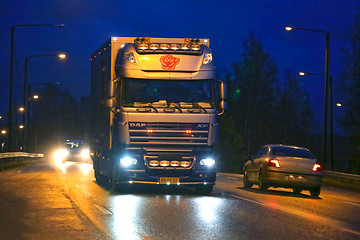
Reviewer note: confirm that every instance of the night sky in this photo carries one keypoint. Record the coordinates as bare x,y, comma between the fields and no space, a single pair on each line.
226,23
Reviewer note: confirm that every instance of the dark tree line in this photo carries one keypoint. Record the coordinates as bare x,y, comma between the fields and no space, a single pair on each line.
57,116
350,90
262,108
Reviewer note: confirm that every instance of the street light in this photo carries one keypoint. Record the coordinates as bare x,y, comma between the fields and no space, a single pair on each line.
331,116
35,98
327,39
10,110
25,83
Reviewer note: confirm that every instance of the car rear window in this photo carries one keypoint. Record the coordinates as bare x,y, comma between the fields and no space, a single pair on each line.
292,152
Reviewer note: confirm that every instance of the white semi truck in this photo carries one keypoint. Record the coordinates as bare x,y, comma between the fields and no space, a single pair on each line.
154,109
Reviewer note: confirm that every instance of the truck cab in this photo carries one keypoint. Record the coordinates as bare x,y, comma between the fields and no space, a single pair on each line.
154,109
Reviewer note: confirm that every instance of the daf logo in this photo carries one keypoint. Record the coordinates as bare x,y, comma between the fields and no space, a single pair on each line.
137,124
202,125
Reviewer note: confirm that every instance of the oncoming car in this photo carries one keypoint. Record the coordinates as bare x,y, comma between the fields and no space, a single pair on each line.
284,166
73,150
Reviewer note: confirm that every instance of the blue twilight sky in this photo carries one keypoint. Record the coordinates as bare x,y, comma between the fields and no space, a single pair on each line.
89,23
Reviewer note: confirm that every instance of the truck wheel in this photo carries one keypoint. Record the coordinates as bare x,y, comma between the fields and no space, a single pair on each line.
204,189
99,178
315,192
246,182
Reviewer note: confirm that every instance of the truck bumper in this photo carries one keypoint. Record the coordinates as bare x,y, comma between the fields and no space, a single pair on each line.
197,177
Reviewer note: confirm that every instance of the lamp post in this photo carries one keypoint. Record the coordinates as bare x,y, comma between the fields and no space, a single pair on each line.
327,39
10,109
331,116
34,97
25,84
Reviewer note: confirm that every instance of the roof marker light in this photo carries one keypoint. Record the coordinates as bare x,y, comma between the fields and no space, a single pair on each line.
164,46
154,46
185,47
174,47
195,47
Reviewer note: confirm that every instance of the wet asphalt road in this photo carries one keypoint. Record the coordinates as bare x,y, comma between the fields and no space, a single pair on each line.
48,201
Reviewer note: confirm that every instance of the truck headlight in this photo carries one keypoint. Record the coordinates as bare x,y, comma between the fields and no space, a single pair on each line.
127,161
209,162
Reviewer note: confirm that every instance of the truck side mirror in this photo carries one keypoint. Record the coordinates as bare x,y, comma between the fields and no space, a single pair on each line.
223,95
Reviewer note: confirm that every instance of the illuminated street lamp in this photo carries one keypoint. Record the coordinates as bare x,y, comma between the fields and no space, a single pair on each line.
339,104
331,116
25,83
327,39
3,132
10,110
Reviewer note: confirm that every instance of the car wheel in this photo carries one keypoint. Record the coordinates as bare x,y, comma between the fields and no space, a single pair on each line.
315,192
297,190
246,182
204,189
263,186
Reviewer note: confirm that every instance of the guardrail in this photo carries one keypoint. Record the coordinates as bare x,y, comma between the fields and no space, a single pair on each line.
344,180
13,157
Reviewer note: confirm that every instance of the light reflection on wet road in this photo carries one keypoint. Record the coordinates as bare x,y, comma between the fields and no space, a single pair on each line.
229,213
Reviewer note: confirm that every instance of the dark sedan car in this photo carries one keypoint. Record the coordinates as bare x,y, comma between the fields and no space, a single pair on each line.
279,165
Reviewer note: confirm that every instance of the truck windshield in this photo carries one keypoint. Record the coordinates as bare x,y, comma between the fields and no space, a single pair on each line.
183,93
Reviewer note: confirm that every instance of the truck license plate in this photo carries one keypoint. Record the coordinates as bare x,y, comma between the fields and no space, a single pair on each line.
171,180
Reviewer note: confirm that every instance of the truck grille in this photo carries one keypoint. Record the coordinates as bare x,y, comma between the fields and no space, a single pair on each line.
169,133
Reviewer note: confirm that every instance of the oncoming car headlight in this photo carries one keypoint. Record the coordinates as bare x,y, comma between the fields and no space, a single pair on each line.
61,154
127,161
209,162
85,153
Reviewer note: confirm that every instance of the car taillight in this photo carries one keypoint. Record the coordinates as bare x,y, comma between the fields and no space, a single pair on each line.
274,163
317,167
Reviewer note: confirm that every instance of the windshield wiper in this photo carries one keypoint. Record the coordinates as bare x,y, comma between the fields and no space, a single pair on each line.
144,105
173,104
199,106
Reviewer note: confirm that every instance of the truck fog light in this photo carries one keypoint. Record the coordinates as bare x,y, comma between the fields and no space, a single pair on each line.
207,162
185,164
127,161
164,163
154,163
175,163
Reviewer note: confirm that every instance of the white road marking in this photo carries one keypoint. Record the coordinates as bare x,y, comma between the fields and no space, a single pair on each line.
352,203
104,210
304,214
233,178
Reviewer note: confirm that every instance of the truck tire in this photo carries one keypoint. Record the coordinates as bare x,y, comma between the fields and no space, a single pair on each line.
204,189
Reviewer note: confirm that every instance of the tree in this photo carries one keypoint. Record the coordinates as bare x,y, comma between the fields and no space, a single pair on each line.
256,86
350,89
295,118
